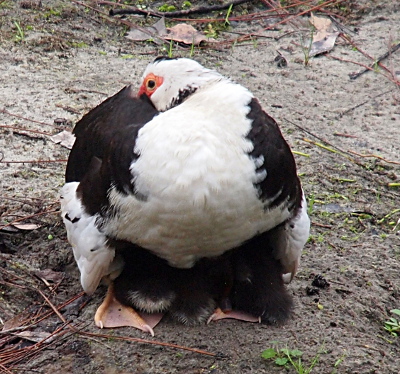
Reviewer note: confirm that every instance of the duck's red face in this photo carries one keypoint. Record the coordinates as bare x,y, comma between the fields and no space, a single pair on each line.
150,84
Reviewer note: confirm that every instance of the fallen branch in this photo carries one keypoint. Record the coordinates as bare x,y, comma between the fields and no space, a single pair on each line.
179,13
270,13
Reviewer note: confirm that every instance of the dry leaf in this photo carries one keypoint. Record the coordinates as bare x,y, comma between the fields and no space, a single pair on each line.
17,321
143,34
35,336
322,26
64,138
26,226
182,33
49,275
187,34
324,37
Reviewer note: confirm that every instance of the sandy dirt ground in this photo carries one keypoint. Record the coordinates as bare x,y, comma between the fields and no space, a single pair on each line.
69,58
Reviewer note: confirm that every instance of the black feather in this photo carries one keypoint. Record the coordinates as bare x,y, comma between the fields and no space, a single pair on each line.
281,180
104,148
164,58
258,287
96,129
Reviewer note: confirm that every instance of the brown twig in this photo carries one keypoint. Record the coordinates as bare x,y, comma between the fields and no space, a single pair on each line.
80,90
152,342
15,356
10,357
14,329
55,310
68,109
351,61
345,135
11,274
332,245
49,313
290,18
27,130
339,150
377,61
343,152
46,314
5,370
4,111
347,155
371,67
78,331
374,156
31,161
282,12
312,9
361,104
12,284
22,201
15,277
321,225
74,329
28,217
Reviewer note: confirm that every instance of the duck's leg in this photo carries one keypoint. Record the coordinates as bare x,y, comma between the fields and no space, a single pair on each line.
111,313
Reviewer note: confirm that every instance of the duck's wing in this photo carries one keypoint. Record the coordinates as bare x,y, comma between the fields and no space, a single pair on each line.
89,175
280,187
95,130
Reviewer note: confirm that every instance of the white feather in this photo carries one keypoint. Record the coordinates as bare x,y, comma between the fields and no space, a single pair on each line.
195,170
179,75
94,258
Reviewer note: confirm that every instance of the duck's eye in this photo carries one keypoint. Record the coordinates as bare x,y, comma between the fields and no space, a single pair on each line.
151,84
